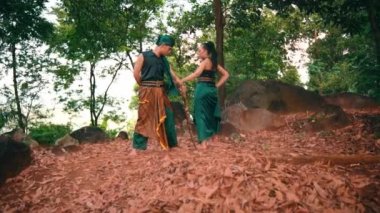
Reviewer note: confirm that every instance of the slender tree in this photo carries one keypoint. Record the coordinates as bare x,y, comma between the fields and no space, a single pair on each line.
93,31
219,29
21,21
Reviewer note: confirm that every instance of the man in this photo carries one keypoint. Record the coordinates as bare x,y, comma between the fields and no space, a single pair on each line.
154,75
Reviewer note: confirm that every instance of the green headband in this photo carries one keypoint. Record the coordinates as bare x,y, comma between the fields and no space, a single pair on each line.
165,39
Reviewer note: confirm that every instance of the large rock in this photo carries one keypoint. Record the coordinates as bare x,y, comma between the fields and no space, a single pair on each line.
275,97
257,105
14,157
66,141
65,145
31,142
122,135
351,101
89,134
251,119
16,135
227,129
330,117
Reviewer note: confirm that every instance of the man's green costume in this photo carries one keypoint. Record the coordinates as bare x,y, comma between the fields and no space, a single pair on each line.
155,116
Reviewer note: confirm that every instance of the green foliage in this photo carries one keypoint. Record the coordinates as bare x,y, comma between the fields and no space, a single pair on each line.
8,117
255,48
200,17
112,116
33,66
111,133
134,103
130,127
47,134
20,20
93,32
291,76
3,119
22,29
257,36
255,39
349,15
65,75
343,63
348,58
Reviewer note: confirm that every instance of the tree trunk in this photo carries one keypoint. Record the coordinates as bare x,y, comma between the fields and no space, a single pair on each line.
20,120
105,96
219,28
373,7
141,40
94,119
130,59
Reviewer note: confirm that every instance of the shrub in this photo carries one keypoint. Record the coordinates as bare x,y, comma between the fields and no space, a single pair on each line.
47,134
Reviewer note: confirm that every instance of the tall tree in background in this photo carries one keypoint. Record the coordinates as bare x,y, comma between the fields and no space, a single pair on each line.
33,67
21,21
259,36
353,16
357,21
373,7
250,37
258,41
93,31
219,28
358,39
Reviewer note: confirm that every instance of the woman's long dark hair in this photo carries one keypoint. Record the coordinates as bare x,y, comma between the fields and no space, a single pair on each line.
210,47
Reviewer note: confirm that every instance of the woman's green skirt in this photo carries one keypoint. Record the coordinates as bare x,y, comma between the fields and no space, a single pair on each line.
206,110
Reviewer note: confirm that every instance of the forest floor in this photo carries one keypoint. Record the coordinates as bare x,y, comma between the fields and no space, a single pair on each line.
284,170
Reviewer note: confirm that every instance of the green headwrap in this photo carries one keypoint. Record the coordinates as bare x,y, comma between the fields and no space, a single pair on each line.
165,39
168,79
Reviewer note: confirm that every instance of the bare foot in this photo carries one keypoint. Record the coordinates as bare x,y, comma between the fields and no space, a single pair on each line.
135,152
215,139
203,145
174,148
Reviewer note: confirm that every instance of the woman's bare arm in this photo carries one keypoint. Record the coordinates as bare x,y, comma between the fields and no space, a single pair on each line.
174,75
224,76
196,73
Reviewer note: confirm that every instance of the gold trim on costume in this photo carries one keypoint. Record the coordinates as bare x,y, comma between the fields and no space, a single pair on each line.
162,140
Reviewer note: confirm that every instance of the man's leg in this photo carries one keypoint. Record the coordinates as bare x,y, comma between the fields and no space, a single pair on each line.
139,141
170,128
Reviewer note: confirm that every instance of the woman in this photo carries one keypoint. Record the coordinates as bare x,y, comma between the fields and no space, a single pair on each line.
206,106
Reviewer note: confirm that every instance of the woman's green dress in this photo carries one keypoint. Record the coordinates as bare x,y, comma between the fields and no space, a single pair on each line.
207,113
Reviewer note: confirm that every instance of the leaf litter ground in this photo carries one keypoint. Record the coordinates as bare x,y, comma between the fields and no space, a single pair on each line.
285,170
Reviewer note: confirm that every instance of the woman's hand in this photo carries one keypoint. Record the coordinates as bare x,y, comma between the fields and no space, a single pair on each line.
224,76
180,82
183,89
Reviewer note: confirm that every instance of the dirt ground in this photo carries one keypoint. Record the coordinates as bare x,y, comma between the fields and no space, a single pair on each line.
283,170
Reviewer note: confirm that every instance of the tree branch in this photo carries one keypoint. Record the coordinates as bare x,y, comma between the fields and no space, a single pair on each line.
108,87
